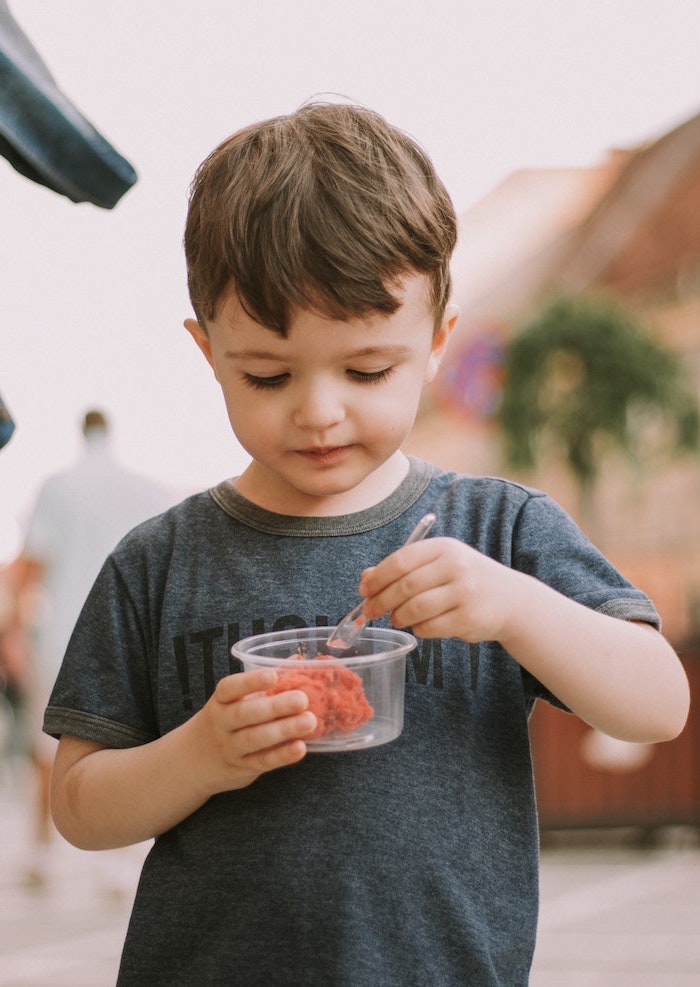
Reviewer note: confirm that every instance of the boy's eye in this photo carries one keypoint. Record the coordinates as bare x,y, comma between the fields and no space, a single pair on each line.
371,376
265,383
278,380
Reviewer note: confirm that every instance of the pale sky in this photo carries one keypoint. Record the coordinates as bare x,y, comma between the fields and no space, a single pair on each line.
93,301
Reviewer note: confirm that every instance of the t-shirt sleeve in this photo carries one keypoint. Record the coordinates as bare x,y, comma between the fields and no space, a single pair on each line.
548,545
103,691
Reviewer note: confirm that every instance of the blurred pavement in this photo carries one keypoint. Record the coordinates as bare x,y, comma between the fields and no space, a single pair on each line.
614,915
611,915
68,932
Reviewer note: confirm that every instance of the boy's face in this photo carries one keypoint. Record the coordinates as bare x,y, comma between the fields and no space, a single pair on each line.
324,412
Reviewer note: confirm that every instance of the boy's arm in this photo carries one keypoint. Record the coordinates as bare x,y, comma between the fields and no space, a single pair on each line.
619,676
104,797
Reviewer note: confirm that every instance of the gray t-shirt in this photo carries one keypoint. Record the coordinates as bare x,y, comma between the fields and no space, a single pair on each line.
411,863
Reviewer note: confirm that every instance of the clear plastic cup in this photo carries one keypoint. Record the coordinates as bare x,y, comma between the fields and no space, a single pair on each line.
357,695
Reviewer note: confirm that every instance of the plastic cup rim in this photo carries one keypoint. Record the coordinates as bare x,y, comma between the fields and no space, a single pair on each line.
399,643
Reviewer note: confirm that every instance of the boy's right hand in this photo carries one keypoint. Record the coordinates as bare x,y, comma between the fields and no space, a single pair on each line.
241,732
107,797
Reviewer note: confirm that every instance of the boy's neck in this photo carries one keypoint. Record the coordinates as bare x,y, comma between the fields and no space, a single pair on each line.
265,490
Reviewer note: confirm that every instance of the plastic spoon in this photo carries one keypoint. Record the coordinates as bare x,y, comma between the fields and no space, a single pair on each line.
351,625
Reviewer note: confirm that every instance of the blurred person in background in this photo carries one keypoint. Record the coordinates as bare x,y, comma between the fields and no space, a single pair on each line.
79,516
15,602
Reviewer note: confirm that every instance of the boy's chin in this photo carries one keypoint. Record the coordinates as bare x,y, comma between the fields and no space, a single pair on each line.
320,495
306,487
345,490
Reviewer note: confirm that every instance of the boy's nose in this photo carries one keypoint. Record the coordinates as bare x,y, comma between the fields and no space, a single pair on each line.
318,408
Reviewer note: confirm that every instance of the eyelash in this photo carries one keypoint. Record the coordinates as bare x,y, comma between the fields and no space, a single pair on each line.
264,383
372,377
273,383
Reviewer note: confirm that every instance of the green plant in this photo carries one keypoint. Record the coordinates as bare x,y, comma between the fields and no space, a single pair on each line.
585,376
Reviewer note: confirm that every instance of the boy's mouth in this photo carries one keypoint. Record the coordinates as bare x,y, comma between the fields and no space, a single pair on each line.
325,455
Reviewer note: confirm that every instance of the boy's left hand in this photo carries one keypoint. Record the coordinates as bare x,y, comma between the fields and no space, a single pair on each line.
440,588
621,678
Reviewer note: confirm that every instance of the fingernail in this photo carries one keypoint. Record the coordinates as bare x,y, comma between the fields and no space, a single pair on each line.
312,721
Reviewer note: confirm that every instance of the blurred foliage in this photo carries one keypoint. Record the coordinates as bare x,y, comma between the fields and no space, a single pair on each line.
585,376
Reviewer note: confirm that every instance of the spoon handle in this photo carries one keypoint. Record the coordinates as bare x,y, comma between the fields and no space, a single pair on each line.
351,625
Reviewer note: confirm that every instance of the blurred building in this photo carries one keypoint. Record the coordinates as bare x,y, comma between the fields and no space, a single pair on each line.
629,226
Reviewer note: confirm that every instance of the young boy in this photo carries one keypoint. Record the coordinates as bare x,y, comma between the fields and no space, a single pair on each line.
318,249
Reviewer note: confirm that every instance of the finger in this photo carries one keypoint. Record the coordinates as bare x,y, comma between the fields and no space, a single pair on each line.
233,687
366,576
266,736
407,588
397,565
276,757
261,708
416,609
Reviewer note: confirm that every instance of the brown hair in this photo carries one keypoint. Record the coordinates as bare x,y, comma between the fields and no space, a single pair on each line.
327,208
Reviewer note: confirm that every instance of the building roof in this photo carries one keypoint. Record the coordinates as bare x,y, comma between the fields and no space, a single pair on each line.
625,224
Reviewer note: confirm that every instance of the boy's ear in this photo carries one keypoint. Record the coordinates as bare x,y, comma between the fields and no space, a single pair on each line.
201,339
440,339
